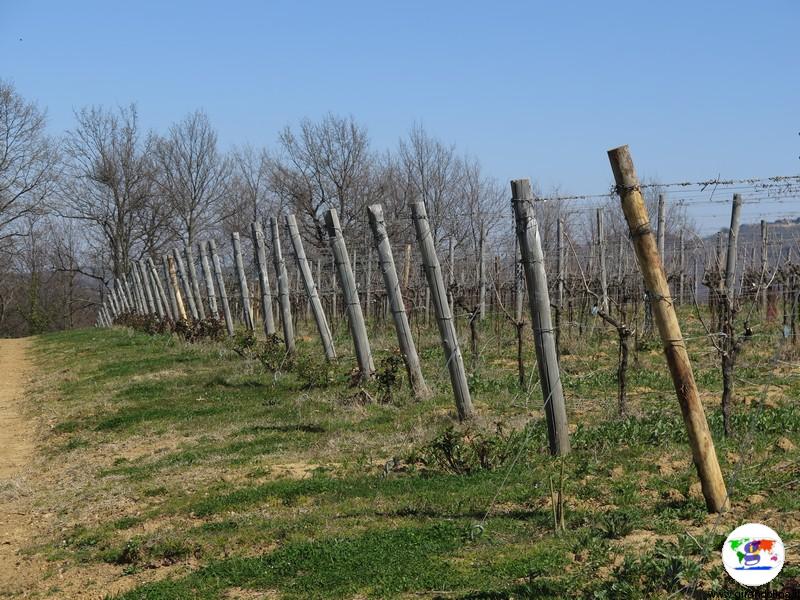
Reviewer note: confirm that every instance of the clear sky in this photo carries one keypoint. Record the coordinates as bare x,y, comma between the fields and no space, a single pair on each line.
534,89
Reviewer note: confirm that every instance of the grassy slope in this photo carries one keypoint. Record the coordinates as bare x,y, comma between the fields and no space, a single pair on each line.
197,464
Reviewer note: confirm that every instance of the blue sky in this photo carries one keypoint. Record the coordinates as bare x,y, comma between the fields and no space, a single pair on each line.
534,89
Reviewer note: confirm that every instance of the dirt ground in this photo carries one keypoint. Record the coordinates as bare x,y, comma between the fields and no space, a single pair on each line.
16,451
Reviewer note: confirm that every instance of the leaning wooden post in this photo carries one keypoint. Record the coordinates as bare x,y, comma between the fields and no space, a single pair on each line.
263,278
186,286
444,317
176,290
176,315
347,281
283,287
539,301
730,260
141,273
209,279
311,288
601,251
153,287
404,338
703,451
482,274
127,296
195,283
764,259
682,268
138,287
662,225
164,298
237,255
223,294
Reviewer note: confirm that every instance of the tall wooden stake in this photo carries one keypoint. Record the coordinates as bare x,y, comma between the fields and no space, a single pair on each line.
703,451
176,290
444,317
601,249
186,286
223,294
310,286
404,338
263,278
283,287
237,255
482,274
209,279
541,321
159,287
352,304
192,272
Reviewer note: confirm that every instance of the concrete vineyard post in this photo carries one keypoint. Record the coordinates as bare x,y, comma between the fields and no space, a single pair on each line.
541,321
444,317
243,289
347,281
263,278
311,288
173,278
195,283
223,293
283,287
186,286
209,279
404,338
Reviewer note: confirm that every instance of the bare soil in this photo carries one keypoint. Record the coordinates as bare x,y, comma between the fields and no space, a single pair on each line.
16,451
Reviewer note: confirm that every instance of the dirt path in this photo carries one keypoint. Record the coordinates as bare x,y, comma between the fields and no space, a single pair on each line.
16,450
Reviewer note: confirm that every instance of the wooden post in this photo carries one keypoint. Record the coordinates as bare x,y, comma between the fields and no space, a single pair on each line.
141,303
539,300
186,286
404,338
237,255
482,274
703,451
451,276
263,278
173,301
561,251
601,250
159,288
209,279
733,237
406,268
173,278
195,283
129,300
223,294
764,264
311,288
283,287
148,290
368,284
662,225
347,281
682,268
444,318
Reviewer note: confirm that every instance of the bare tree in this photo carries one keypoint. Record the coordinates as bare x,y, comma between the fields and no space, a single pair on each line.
27,159
323,165
434,175
193,176
251,198
108,180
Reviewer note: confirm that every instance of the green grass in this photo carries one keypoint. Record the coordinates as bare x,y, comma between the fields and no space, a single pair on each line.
199,458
